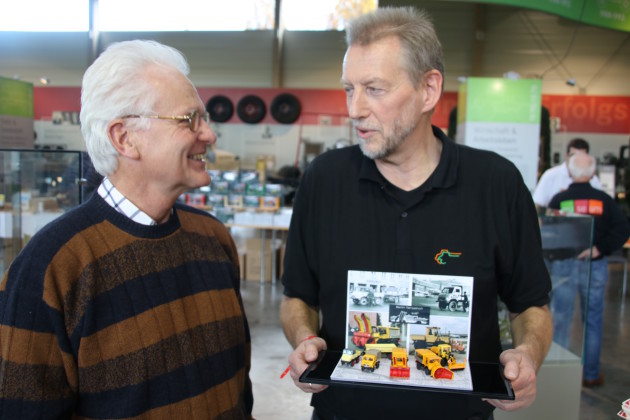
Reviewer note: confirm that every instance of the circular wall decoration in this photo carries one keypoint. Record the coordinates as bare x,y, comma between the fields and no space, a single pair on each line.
285,108
220,108
251,109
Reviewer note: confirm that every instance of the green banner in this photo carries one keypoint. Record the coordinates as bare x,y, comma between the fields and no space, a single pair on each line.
502,115
611,14
16,98
503,100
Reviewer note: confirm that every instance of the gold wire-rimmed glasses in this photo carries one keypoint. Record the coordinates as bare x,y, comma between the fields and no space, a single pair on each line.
194,118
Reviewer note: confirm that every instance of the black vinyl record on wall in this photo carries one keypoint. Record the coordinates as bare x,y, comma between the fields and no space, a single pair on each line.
220,108
251,109
285,108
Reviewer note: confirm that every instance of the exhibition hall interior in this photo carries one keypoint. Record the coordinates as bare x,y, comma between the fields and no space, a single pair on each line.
522,79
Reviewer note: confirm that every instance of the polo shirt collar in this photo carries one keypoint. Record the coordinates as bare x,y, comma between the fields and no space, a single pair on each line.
444,175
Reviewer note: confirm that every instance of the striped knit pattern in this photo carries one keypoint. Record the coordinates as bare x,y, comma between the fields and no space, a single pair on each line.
101,317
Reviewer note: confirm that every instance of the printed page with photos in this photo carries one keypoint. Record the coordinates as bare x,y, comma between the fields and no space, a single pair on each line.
422,320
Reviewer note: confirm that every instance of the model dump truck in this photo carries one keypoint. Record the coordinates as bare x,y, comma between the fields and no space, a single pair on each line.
349,357
384,348
371,360
382,334
431,364
399,367
447,359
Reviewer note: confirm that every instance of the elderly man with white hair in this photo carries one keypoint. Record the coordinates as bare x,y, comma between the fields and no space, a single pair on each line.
610,232
128,306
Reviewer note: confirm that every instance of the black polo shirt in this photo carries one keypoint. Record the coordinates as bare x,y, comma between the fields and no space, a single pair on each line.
610,225
347,216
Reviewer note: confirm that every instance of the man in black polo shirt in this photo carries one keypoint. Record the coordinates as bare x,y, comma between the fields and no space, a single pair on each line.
610,232
391,204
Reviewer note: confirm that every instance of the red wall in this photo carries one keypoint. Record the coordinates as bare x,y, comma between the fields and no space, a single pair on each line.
314,102
577,113
590,114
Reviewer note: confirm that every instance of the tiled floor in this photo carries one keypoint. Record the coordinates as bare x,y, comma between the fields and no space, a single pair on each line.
279,399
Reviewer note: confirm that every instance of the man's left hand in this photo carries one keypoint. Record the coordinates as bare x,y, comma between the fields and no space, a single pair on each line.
591,253
520,370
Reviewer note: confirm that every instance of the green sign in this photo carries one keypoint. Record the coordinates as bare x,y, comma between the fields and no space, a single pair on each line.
16,98
611,14
502,115
503,100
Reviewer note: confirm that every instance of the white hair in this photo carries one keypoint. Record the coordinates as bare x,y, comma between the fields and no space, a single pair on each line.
578,168
114,86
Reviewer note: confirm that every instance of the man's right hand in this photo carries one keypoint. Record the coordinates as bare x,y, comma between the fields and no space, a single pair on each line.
303,355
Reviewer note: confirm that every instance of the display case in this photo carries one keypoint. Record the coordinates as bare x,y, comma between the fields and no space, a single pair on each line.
36,187
559,379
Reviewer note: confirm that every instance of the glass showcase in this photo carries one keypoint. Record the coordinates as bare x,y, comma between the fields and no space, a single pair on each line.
36,186
563,239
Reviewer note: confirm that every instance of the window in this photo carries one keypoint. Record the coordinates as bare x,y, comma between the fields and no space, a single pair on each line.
322,15
45,16
182,15
188,15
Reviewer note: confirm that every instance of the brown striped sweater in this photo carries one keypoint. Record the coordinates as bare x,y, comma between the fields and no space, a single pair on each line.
101,317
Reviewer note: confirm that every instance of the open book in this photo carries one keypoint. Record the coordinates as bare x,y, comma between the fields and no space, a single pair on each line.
422,320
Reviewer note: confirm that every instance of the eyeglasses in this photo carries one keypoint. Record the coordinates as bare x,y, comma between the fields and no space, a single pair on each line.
194,118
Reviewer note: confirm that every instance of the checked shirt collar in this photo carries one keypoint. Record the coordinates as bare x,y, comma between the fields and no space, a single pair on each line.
114,198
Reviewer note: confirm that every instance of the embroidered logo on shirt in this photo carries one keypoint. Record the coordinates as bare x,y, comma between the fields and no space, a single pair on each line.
439,257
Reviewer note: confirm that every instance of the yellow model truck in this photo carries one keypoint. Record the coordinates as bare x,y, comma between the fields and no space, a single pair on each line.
431,338
431,363
371,360
350,356
399,367
445,353
384,348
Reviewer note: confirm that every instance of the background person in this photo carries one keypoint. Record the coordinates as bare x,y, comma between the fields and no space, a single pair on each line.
129,305
557,178
610,231
390,204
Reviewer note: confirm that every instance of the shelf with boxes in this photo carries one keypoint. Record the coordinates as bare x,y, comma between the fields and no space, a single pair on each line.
236,191
255,212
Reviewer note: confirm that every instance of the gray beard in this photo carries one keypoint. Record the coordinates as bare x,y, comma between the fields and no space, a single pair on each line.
398,136
390,143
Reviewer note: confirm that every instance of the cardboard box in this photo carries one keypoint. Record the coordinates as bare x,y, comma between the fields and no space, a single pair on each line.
244,218
221,159
41,204
254,259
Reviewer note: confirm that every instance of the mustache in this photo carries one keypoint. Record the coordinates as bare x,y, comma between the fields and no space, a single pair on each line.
358,125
